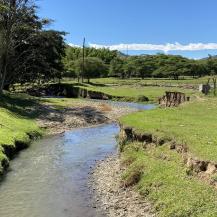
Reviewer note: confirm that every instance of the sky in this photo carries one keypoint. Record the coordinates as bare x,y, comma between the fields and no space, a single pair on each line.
184,27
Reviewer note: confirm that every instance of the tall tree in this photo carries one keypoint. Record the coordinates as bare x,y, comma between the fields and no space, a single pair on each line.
93,67
27,51
15,16
116,67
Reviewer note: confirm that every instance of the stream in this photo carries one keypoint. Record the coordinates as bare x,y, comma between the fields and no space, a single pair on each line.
50,179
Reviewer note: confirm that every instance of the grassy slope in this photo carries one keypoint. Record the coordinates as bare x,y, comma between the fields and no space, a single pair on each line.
193,124
165,182
17,118
15,122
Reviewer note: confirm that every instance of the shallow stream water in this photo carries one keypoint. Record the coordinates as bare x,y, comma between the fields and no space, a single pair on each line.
50,179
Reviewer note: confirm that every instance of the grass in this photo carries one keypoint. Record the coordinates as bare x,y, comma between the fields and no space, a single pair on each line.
151,81
61,103
17,120
133,93
193,124
16,124
156,172
165,179
133,89
165,183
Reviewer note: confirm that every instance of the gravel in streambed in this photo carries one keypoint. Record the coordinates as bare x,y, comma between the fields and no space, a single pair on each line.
116,201
82,114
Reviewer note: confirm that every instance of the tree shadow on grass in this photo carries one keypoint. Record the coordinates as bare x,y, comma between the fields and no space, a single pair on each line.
29,107
21,104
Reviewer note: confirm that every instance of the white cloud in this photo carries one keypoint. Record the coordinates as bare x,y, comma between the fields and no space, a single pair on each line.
74,45
157,47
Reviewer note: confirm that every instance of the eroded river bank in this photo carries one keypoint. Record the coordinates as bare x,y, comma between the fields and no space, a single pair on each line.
51,178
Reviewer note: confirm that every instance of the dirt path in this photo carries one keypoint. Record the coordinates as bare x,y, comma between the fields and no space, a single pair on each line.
115,200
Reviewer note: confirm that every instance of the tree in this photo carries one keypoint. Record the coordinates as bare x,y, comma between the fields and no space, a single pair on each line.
197,69
29,53
143,67
75,53
93,67
129,67
15,16
116,67
211,65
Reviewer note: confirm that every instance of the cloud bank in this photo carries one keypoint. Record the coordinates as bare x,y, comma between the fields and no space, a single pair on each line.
158,47
74,45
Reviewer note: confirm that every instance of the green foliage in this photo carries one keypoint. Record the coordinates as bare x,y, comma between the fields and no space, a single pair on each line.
116,68
96,62
28,52
74,53
42,58
90,67
144,66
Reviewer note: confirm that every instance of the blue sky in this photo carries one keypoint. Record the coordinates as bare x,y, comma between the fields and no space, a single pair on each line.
147,22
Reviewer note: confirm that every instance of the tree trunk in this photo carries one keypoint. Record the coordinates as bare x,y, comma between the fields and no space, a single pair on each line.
214,86
8,32
4,71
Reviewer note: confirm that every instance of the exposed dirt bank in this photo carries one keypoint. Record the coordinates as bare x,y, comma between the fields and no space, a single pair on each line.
82,114
116,201
203,169
73,91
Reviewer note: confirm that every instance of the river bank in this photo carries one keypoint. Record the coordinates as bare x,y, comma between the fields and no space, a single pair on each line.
82,113
63,116
25,118
110,194
73,119
171,159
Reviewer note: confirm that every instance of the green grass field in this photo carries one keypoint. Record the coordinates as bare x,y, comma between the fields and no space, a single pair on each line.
134,92
151,81
193,124
147,81
130,90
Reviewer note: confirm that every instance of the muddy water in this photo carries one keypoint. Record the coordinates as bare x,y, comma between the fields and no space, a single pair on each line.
50,178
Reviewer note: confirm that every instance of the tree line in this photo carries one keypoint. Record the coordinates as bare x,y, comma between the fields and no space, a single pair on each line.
106,63
29,52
